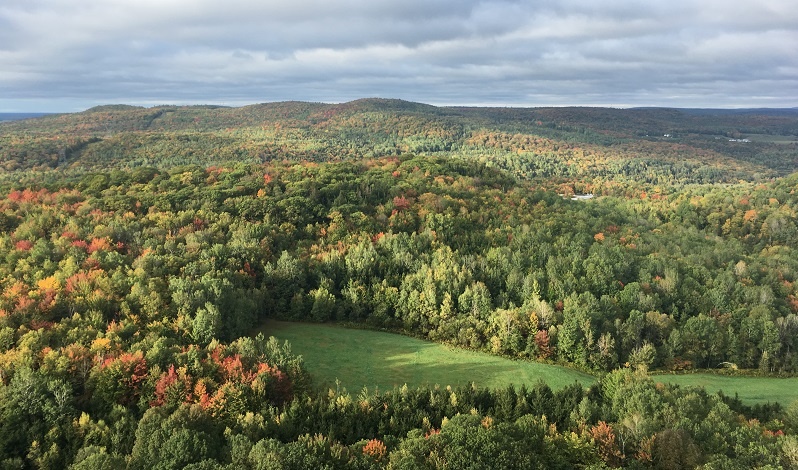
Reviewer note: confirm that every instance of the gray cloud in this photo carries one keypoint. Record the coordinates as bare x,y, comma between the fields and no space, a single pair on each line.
71,54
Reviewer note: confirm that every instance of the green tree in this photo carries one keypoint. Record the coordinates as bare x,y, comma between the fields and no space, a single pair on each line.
207,324
577,337
173,441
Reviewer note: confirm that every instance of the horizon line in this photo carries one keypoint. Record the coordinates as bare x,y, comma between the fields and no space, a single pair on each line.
186,104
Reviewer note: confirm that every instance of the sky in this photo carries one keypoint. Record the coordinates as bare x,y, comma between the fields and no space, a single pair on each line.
69,55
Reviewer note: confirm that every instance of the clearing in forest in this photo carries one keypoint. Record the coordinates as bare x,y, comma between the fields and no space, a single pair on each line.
364,358
358,358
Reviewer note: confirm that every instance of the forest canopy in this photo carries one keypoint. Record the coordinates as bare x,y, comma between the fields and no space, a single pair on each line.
141,247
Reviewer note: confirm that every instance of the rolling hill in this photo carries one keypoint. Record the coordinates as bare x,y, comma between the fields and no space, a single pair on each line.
655,145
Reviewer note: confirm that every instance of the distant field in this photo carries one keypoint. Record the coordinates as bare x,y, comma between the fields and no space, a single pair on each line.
750,389
359,358
772,139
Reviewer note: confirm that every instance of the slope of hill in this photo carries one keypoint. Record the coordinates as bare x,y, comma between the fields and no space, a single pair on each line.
596,144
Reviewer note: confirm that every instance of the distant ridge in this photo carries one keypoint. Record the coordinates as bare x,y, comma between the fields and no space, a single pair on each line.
727,111
112,107
578,143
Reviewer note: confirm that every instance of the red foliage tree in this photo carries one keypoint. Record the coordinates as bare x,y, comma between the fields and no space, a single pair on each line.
376,449
603,436
542,343
401,203
23,245
172,387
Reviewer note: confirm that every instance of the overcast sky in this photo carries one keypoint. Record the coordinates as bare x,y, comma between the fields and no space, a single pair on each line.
68,55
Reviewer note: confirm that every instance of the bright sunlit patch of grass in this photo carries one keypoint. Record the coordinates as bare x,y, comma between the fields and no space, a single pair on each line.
749,389
363,358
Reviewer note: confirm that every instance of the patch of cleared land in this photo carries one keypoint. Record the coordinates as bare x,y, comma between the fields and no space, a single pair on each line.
358,358
364,358
772,139
750,389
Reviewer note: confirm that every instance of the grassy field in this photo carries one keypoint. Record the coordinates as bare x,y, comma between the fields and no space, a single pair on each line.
772,139
750,389
358,358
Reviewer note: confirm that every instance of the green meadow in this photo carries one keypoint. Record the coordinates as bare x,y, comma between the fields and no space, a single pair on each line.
750,389
363,358
772,139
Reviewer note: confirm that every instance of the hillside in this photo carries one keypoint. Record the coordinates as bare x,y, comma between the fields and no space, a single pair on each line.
659,146
143,249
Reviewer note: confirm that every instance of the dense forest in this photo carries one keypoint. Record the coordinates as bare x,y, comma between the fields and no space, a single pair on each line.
141,247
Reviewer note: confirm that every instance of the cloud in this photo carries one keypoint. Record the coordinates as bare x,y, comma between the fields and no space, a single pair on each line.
77,53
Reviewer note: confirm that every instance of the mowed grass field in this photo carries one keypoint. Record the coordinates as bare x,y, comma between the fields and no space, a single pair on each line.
751,390
772,139
358,358
364,358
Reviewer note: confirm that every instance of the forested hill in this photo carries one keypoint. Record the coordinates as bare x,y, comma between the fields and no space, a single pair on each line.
142,248
653,145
